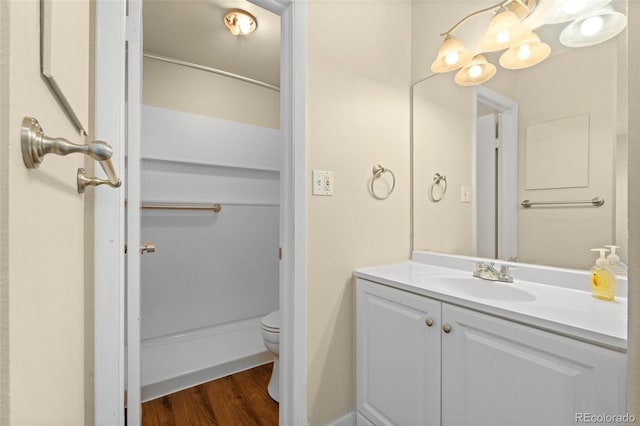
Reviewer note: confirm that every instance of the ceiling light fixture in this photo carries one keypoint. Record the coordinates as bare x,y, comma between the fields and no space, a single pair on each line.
240,22
595,28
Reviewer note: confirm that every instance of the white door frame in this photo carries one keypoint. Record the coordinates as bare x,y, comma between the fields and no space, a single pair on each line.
109,365
507,171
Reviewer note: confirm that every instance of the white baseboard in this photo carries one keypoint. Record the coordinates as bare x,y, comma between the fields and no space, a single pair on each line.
348,419
175,384
177,362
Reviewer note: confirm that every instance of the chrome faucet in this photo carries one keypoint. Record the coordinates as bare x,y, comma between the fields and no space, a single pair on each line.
489,272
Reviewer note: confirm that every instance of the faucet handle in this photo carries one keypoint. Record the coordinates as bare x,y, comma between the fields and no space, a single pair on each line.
504,270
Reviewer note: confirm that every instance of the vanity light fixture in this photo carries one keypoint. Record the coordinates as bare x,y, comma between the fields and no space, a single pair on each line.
240,22
451,55
568,10
505,31
529,52
475,72
595,28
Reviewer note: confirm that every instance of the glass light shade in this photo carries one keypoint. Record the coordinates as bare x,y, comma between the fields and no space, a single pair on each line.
568,10
451,56
505,30
596,28
475,72
529,52
240,22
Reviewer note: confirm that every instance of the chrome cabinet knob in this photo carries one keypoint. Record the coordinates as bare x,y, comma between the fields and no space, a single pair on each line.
446,328
429,322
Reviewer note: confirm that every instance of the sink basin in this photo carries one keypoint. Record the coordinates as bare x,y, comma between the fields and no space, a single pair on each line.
478,288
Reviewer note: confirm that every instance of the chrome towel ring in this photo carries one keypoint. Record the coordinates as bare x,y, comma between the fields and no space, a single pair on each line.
437,179
378,171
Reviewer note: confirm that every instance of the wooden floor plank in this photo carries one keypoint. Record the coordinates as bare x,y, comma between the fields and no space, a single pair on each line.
190,407
158,412
240,399
255,392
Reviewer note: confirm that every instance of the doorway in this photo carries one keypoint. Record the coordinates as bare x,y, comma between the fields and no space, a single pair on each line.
495,219
111,79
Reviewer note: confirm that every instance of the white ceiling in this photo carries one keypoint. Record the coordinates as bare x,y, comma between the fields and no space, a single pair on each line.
194,31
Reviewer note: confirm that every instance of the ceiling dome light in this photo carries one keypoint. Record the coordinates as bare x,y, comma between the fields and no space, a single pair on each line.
240,22
475,72
451,56
568,10
505,30
529,52
596,28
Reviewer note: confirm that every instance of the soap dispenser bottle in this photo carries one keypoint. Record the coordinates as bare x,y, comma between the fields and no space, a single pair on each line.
603,280
614,262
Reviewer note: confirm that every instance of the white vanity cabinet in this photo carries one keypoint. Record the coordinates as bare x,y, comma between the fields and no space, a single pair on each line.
398,356
470,368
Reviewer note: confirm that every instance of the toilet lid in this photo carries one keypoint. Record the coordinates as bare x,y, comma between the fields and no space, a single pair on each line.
271,321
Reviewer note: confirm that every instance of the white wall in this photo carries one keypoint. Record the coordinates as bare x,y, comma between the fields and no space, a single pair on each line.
210,268
358,115
181,88
42,241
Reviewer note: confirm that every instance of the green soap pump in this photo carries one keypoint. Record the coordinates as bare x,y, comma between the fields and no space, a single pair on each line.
603,280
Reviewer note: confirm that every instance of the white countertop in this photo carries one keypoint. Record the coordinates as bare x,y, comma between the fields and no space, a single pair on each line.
562,310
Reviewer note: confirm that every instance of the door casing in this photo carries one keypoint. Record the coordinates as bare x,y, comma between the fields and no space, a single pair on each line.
109,234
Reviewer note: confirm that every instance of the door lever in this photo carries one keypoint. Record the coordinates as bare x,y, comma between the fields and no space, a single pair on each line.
144,248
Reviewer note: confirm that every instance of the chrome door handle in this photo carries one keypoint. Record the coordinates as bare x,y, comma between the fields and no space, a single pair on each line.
144,248
446,328
148,248
429,322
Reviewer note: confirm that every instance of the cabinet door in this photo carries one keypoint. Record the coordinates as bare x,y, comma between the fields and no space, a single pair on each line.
496,372
397,356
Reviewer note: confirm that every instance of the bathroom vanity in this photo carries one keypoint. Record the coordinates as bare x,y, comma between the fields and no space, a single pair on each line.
436,346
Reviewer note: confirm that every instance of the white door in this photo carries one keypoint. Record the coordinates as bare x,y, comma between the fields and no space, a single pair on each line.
486,185
495,372
133,132
397,356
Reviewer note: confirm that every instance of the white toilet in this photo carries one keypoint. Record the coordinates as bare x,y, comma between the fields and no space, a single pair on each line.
271,337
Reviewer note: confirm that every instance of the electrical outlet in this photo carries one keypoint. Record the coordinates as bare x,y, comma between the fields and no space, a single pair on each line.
465,194
322,182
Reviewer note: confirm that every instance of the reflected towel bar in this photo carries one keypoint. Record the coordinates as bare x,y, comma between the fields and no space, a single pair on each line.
596,202
216,208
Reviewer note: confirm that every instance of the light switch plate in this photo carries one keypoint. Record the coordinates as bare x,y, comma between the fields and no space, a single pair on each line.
322,182
465,194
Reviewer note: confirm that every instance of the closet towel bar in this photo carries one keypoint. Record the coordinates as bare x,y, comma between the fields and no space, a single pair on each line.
596,202
157,206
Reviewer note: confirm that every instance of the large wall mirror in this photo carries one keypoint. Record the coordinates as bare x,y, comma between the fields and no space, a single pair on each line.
555,132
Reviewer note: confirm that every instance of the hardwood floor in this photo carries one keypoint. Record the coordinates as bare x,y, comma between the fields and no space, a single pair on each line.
237,400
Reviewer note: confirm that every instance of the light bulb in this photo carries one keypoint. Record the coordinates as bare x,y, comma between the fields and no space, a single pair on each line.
591,26
452,58
572,7
524,52
244,24
475,71
503,37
